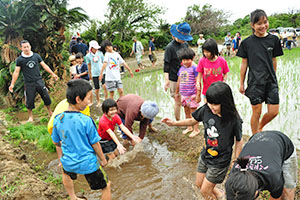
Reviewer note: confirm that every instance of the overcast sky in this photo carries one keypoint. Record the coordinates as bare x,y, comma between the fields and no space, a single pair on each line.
177,9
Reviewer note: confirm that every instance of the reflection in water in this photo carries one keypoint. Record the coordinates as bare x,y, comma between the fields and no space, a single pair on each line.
150,87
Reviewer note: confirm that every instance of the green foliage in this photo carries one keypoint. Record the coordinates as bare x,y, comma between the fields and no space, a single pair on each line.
33,133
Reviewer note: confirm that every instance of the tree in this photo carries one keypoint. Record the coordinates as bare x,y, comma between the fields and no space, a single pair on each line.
125,17
206,20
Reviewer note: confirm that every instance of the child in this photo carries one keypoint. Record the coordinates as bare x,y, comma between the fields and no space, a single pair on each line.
222,126
116,49
211,67
227,43
77,141
94,60
267,162
109,142
81,68
73,64
186,85
112,60
259,52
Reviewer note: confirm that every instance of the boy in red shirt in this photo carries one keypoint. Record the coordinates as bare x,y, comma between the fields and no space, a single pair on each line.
109,142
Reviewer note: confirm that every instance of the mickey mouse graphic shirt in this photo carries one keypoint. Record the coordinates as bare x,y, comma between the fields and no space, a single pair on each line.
219,138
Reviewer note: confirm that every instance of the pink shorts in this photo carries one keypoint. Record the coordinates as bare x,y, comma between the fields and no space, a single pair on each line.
189,101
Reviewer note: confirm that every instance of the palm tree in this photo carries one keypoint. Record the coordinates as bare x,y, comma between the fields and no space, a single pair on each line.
14,19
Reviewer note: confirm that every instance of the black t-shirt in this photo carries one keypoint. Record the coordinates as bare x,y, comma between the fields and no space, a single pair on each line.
30,68
267,151
219,137
259,51
171,61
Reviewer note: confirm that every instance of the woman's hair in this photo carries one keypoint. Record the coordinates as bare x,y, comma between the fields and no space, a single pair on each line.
211,46
256,15
104,44
186,53
108,103
241,184
78,87
220,93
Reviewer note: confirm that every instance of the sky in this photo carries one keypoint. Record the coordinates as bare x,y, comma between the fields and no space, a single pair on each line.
176,10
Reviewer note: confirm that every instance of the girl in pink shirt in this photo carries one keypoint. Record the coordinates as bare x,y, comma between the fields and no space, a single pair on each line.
211,66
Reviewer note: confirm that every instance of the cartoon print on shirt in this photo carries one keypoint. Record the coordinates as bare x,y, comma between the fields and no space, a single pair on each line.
184,77
212,72
212,137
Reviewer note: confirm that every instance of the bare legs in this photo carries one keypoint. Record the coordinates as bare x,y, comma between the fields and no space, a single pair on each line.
207,189
188,115
258,125
30,114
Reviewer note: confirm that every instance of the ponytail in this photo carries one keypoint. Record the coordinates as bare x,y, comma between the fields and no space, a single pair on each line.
241,184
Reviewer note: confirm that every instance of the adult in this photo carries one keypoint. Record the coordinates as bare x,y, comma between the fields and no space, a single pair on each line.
132,108
138,50
238,40
73,42
80,47
284,37
28,62
267,162
200,42
180,34
152,54
94,60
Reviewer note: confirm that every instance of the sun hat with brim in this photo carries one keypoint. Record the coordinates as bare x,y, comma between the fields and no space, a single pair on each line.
181,31
94,44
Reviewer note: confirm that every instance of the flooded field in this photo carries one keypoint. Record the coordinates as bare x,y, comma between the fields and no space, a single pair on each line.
150,87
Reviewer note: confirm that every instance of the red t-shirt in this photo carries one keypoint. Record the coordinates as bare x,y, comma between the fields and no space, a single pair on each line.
105,124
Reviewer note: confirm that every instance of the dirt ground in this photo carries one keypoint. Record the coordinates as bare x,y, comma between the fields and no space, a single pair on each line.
21,180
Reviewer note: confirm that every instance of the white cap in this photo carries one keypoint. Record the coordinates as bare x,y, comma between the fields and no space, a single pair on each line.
94,44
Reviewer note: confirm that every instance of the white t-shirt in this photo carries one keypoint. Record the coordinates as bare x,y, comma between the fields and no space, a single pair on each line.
73,69
114,60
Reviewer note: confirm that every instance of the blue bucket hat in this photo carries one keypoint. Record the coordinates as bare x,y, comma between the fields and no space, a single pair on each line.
181,31
149,109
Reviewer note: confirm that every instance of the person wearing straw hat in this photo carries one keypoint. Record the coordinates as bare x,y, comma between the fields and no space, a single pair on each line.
180,34
200,42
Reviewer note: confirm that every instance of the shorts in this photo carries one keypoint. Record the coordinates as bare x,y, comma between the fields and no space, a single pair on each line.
30,92
108,146
189,101
97,180
113,85
173,86
103,80
267,93
212,174
96,82
290,171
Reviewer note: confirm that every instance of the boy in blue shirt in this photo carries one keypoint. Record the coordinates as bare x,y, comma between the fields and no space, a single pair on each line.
77,142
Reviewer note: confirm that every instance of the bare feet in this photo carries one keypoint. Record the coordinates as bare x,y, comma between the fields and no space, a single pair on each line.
30,119
194,133
189,129
98,104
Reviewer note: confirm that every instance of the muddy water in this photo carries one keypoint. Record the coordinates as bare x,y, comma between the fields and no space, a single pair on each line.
149,171
150,87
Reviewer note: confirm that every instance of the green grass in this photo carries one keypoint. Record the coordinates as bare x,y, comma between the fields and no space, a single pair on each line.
33,133
6,189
